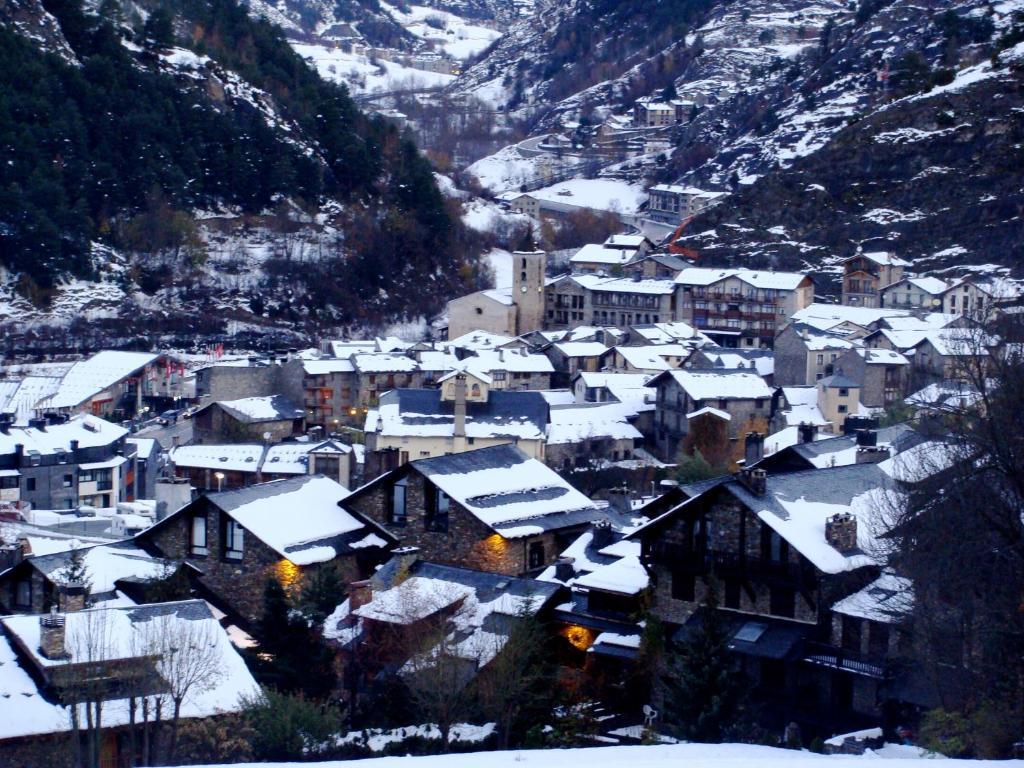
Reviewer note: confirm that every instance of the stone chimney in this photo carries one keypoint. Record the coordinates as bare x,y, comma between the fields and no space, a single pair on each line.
753,449
565,568
602,530
872,454
841,531
807,432
755,480
71,596
73,446
406,557
621,499
172,493
11,554
867,437
460,405
51,635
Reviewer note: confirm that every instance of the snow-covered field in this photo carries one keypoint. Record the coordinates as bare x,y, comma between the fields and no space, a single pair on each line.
448,32
657,756
363,76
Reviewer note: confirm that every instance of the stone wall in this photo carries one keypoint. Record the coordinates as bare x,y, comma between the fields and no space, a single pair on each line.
237,583
467,542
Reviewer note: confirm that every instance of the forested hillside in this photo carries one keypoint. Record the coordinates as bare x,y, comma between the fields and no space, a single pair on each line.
121,124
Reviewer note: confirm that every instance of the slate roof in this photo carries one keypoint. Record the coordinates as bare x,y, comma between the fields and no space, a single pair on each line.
253,410
423,411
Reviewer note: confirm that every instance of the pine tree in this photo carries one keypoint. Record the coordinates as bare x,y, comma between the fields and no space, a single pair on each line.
76,572
705,693
322,594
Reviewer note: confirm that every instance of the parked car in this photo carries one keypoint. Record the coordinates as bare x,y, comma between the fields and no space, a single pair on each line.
168,417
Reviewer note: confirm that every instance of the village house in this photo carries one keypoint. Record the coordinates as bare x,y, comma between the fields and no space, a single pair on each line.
55,464
827,404
738,307
804,354
493,509
509,369
672,204
816,450
222,467
656,266
614,253
761,361
580,299
463,414
650,359
572,357
883,375
506,310
285,530
676,332
866,274
386,619
784,549
113,384
979,296
914,293
276,374
626,388
578,435
270,419
113,655
648,113
330,392
119,572
742,395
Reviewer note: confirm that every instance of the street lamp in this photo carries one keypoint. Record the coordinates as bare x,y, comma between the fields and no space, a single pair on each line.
220,480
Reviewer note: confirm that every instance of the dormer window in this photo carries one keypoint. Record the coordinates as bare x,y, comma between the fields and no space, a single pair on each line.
197,536
234,536
398,513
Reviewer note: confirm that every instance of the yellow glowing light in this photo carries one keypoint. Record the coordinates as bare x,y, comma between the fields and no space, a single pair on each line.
495,544
580,638
288,575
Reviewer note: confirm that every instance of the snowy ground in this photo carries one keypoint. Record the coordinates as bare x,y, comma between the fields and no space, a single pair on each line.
448,32
363,76
658,756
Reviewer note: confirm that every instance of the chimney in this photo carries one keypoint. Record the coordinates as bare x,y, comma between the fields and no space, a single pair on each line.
755,480
6,420
11,555
621,499
38,423
753,449
867,438
73,445
172,493
19,453
602,534
565,568
406,557
359,594
54,418
871,454
807,432
460,405
841,531
51,635
71,596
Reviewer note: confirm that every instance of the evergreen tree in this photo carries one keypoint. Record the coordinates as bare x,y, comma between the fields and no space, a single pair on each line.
159,28
322,594
76,572
705,693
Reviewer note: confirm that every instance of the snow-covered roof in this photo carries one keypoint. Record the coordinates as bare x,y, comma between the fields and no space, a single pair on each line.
105,563
882,357
234,457
383,362
951,395
886,600
707,410
596,194
652,358
667,333
479,340
598,253
882,258
604,284
89,431
581,348
326,366
803,407
761,361
506,489
500,295
576,423
19,396
90,377
931,285
719,385
959,342
26,711
422,413
511,360
299,518
626,576
259,409
825,316
705,276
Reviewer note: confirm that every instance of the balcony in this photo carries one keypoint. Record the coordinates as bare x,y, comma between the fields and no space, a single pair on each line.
843,660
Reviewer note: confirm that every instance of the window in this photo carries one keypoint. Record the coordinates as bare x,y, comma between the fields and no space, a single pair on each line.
68,481
23,594
8,483
759,403
437,510
498,375
842,409
683,585
536,554
479,311
821,359
773,547
233,536
30,484
197,543
851,629
398,493
782,602
844,392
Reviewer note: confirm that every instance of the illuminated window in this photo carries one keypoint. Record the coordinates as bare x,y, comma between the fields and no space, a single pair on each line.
198,536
